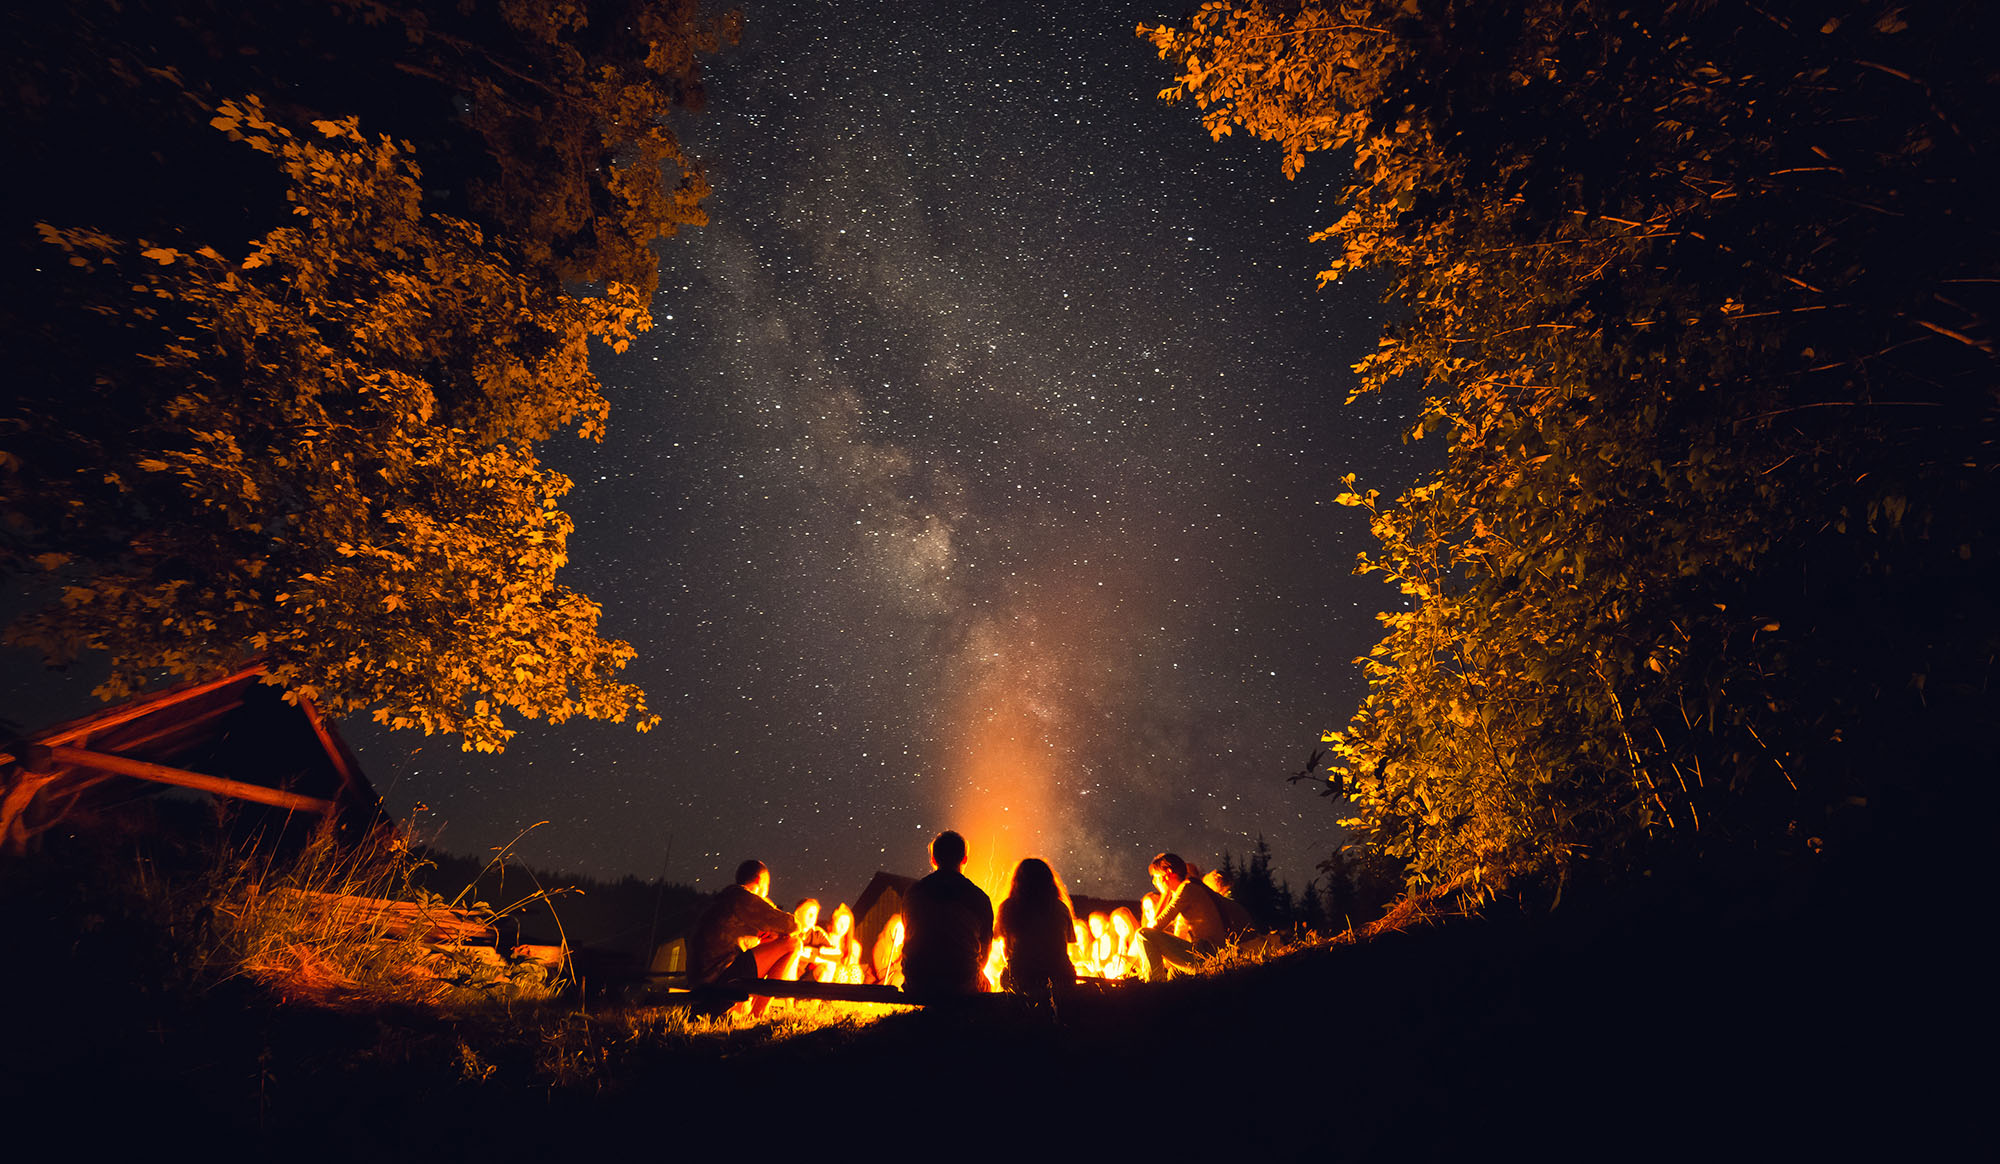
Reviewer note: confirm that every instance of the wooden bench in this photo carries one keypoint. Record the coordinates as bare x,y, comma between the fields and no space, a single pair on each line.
668,972
742,989
805,988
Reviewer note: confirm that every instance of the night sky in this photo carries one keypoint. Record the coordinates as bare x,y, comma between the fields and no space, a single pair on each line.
977,473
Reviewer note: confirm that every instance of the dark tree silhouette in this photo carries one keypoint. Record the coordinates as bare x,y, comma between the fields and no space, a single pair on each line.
1701,297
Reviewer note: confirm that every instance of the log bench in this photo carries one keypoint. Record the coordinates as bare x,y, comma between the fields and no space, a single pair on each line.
804,988
668,976
729,993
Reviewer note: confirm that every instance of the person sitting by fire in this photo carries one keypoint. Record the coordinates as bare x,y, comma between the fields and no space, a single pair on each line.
813,938
886,962
741,935
1035,922
1193,922
948,927
840,928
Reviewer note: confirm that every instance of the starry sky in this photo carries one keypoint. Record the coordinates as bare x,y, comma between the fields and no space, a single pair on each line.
977,474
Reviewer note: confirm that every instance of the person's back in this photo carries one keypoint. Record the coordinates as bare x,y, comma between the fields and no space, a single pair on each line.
738,914
1196,912
713,940
948,927
1036,921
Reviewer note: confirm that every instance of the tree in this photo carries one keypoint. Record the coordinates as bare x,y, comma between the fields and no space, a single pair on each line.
322,449
1257,891
1311,910
1700,298
1360,884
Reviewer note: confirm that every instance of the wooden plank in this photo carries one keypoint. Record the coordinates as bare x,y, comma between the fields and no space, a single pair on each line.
821,991
350,780
138,708
183,726
145,770
25,786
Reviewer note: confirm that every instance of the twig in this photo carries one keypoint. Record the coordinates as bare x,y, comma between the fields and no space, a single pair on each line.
1983,345
1318,28
1774,756
1937,111
1840,404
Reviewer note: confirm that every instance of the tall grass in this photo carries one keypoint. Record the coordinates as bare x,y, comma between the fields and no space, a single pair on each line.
343,925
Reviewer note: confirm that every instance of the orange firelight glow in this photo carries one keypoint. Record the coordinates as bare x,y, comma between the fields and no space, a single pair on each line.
1006,811
1010,788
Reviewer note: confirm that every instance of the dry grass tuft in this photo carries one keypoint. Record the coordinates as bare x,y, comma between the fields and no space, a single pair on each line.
346,927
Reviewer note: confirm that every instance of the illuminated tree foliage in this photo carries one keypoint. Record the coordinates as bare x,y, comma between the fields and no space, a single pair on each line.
1700,298
319,446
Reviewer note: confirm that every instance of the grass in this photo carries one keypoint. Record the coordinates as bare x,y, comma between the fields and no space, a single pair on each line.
186,999
334,925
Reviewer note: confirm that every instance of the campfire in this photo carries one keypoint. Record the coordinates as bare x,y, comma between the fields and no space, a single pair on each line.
869,951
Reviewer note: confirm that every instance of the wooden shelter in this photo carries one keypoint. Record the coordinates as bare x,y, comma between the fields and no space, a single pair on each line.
235,737
880,901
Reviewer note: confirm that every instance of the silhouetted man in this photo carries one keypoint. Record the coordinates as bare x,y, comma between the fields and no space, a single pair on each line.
950,927
741,935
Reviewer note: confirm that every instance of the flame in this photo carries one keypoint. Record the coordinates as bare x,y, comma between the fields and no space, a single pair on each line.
996,963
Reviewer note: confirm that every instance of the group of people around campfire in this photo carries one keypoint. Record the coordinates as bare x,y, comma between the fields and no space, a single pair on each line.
949,941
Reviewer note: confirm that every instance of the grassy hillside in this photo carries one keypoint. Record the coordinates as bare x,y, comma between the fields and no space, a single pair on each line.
1616,1026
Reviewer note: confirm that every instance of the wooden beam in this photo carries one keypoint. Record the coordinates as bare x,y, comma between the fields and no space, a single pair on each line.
350,781
105,762
14,830
807,988
150,738
139,707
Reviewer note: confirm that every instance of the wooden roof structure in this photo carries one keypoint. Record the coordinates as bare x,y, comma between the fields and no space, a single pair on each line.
881,900
235,736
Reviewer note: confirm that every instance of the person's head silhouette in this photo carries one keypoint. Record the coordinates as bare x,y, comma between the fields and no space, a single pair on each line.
948,851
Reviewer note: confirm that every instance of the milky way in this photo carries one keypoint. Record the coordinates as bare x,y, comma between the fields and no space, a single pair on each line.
978,473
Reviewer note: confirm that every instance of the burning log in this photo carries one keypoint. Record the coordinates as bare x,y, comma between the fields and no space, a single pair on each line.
996,964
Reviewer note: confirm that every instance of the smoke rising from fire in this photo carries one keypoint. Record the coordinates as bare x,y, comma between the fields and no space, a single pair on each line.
1019,772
